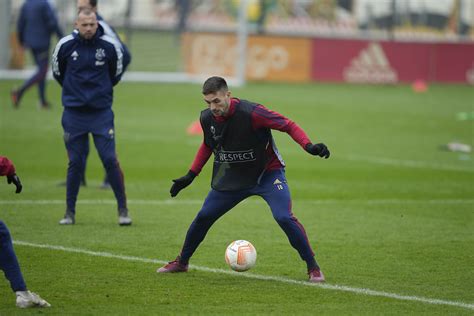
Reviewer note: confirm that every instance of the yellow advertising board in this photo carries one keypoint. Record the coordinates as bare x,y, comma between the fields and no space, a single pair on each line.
268,58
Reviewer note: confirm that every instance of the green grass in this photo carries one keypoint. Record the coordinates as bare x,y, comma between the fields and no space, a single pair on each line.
154,51
376,220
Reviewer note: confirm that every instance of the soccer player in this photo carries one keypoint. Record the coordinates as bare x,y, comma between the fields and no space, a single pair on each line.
88,64
36,23
246,163
8,260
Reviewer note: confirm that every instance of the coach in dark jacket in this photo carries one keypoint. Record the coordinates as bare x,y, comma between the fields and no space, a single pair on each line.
88,64
108,30
36,23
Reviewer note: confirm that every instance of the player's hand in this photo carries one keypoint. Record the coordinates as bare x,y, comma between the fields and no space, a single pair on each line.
16,181
181,183
318,150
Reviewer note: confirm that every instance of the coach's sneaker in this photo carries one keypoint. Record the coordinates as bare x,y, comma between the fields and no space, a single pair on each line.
27,299
316,276
68,219
173,266
124,219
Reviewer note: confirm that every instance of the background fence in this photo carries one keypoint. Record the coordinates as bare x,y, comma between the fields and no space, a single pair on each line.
289,40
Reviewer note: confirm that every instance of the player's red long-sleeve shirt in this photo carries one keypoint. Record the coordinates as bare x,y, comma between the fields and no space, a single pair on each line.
6,167
261,118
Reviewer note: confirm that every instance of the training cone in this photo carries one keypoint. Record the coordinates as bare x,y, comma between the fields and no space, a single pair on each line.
419,86
194,128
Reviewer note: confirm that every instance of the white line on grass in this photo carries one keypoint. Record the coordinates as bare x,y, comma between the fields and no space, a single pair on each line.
100,201
256,276
253,201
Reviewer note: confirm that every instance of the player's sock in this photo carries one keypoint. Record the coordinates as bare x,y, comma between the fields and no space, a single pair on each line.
312,264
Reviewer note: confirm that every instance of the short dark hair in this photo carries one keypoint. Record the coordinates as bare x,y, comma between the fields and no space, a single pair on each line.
93,3
214,84
86,12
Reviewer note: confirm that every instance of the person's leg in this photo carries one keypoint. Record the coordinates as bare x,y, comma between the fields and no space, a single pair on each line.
216,204
83,176
106,148
11,268
76,142
41,60
275,191
8,260
104,140
75,150
86,154
42,63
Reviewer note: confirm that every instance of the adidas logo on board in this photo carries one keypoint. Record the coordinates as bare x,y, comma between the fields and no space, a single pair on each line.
370,66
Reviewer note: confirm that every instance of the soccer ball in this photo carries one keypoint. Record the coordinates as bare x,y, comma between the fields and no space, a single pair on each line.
240,255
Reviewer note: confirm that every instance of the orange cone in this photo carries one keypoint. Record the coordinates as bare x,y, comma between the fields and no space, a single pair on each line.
194,128
419,86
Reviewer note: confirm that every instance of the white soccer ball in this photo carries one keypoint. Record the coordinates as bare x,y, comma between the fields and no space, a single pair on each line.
240,255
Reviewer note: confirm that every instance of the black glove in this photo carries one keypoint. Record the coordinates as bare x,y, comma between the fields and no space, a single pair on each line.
181,183
16,181
318,150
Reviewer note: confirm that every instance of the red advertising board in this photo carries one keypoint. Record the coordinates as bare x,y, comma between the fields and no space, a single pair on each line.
363,61
454,62
274,58
411,61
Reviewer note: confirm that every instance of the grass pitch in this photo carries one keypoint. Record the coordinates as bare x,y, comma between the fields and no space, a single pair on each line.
390,214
